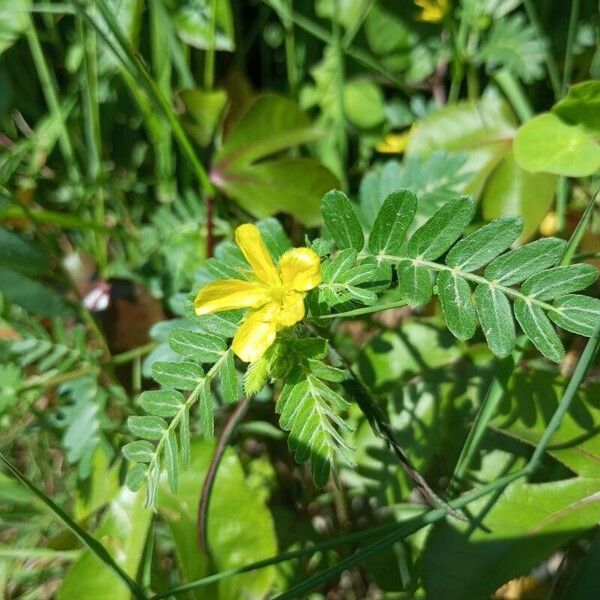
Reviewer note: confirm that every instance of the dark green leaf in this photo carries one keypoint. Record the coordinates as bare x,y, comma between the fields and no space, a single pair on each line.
163,403
581,105
415,284
496,319
560,281
537,327
576,313
340,263
479,248
455,296
205,347
392,222
147,427
431,240
341,220
519,264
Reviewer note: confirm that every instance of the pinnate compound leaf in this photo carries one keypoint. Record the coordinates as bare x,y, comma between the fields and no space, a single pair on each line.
479,248
577,313
560,281
179,376
206,411
136,477
204,347
184,438
438,234
392,222
147,427
139,451
162,403
229,379
459,311
341,220
519,264
496,319
415,284
538,328
172,459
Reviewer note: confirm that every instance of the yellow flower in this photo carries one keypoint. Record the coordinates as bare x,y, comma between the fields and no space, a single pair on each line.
433,10
394,143
275,297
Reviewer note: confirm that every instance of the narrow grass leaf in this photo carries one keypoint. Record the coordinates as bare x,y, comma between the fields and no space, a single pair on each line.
577,313
493,309
538,328
517,265
486,243
341,220
393,220
434,238
459,311
560,281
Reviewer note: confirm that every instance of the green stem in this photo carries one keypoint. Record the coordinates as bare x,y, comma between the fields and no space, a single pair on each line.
38,553
129,355
562,197
290,52
47,382
209,56
568,67
514,92
51,95
579,232
340,122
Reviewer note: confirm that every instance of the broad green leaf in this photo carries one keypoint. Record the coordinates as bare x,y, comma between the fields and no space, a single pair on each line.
13,22
171,460
364,104
519,264
162,403
232,542
179,376
139,451
341,220
455,296
393,220
479,248
495,315
585,583
538,328
576,313
560,281
581,105
431,240
147,427
205,109
548,144
415,284
512,190
123,531
229,379
22,255
526,524
206,411
483,130
205,347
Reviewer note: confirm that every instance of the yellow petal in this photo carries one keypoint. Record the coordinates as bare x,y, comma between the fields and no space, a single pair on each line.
256,334
292,309
227,294
300,269
250,241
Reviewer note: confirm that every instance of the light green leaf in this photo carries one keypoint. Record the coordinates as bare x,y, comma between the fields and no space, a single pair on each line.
581,106
560,281
13,22
431,240
147,427
455,296
123,531
229,379
512,541
139,451
252,538
341,221
548,144
136,477
577,313
496,319
184,438
204,347
162,403
364,104
172,460
205,109
206,411
179,376
392,222
512,190
193,24
537,327
415,284
519,264
486,243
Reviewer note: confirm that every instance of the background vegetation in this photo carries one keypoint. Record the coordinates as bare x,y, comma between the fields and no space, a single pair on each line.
461,452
